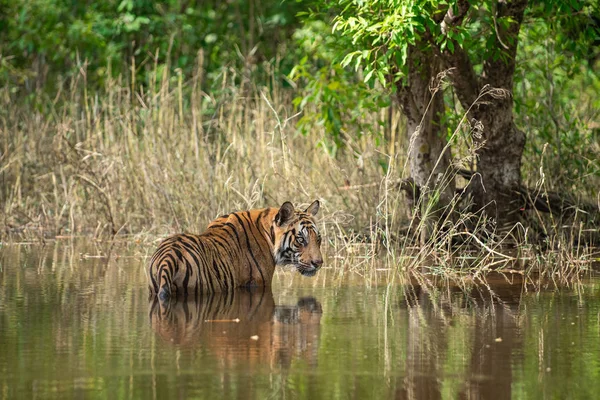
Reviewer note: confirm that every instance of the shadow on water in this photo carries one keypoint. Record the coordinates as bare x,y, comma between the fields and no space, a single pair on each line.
244,326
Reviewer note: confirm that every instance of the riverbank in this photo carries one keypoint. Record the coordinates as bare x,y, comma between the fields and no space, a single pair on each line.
139,165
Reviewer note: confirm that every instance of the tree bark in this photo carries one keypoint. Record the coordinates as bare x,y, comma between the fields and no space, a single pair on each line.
502,142
499,163
488,97
429,158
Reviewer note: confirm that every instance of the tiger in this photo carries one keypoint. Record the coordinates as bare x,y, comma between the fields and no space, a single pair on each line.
238,249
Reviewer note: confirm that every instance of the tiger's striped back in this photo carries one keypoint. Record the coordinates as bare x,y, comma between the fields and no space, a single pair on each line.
238,249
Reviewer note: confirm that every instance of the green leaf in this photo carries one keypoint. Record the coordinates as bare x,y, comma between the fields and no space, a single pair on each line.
347,59
381,78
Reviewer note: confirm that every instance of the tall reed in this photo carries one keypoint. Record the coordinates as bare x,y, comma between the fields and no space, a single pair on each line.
166,155
152,158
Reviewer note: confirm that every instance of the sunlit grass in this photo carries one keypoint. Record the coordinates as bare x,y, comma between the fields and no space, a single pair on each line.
136,165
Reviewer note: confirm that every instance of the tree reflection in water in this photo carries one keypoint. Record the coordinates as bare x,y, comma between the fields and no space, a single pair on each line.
75,323
491,319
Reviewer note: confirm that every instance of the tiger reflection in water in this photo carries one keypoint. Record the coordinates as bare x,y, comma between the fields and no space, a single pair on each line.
266,333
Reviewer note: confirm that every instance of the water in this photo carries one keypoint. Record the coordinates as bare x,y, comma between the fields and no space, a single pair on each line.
76,324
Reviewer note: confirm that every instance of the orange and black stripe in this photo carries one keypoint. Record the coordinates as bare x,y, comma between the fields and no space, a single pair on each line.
237,249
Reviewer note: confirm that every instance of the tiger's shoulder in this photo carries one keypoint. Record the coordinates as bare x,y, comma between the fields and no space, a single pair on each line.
244,217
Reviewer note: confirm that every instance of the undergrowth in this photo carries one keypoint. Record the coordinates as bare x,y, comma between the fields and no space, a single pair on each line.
141,161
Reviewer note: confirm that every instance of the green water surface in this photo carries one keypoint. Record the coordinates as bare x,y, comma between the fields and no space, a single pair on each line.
76,324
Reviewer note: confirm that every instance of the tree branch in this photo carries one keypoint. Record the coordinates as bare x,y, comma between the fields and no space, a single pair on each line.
461,70
404,93
498,71
462,74
451,18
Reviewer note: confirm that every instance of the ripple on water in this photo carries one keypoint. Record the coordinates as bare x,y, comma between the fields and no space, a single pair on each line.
83,327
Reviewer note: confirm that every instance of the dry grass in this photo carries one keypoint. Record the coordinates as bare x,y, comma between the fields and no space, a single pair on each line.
164,159
171,157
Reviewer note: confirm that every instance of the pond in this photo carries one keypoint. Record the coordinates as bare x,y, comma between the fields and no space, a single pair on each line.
76,323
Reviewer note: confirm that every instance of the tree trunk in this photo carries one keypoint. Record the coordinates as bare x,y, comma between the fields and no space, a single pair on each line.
500,157
488,97
499,163
423,105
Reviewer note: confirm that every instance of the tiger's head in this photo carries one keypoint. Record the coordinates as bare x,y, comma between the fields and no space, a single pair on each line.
297,240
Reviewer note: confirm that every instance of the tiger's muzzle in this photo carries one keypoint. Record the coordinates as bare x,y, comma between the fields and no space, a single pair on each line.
310,269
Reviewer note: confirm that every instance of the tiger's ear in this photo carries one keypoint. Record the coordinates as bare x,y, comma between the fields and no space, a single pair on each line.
313,209
285,214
